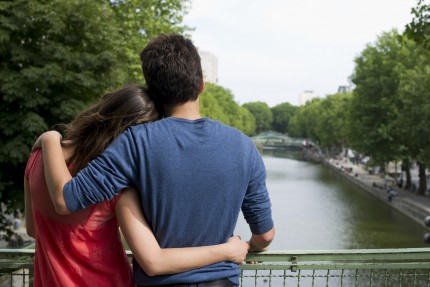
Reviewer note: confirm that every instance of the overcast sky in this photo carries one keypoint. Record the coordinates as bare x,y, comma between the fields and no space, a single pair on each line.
273,50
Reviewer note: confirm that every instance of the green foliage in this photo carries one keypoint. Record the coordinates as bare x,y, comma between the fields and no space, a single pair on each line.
141,20
262,114
419,28
282,114
390,107
217,103
375,105
304,123
57,56
324,120
414,109
333,125
414,116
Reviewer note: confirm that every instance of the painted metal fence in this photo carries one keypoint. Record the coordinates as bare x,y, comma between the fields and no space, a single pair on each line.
362,267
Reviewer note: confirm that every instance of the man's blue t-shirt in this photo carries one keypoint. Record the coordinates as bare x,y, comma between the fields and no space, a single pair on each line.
194,176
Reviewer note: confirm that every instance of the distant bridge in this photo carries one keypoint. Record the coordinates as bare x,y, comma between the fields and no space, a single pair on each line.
276,141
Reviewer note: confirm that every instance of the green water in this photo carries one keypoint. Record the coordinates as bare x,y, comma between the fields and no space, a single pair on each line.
316,208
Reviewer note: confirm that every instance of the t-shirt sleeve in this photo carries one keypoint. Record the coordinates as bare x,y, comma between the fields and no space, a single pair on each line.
104,177
256,206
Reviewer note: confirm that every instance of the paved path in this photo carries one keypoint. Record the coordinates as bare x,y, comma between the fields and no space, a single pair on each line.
361,176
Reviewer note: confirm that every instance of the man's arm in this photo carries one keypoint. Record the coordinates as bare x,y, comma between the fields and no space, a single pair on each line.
102,179
256,207
259,242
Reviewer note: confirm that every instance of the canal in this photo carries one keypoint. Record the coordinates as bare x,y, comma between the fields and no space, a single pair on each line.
316,208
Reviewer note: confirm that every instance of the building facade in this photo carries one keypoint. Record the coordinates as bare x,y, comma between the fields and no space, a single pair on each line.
209,67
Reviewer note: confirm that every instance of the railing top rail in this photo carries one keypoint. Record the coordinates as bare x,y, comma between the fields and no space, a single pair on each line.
302,255
348,251
405,254
356,259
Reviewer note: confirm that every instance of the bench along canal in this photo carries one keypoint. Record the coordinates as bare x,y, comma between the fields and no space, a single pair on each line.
315,208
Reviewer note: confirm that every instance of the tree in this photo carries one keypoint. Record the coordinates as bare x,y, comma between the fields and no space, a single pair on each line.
58,56
333,125
248,122
387,117
141,20
282,114
374,106
419,28
304,123
217,103
414,114
262,114
55,58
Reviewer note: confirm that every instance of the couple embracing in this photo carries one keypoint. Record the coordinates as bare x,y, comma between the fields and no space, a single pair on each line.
145,159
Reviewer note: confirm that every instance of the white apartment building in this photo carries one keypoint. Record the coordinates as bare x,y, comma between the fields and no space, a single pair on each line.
209,67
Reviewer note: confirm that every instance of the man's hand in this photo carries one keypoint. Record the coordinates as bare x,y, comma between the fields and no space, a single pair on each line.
239,249
44,136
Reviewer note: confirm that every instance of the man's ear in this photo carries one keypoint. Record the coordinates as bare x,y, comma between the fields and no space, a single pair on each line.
202,87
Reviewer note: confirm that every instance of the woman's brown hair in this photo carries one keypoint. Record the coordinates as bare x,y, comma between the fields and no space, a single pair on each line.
94,129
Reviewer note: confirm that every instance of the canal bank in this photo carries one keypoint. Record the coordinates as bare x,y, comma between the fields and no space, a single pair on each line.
413,206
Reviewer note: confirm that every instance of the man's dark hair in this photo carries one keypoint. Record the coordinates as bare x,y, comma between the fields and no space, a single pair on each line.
172,69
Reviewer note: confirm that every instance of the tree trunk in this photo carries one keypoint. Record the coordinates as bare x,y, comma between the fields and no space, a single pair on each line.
407,169
423,181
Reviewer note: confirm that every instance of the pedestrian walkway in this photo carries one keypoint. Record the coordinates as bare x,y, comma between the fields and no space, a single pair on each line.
415,206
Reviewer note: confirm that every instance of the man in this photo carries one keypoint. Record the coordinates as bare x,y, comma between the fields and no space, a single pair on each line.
194,174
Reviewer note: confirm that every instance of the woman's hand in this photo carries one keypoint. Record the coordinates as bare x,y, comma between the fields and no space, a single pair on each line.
44,136
238,249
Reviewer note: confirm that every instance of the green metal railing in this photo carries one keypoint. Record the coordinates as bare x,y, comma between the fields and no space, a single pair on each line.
361,267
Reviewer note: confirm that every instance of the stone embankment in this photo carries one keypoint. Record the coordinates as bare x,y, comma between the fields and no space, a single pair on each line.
414,206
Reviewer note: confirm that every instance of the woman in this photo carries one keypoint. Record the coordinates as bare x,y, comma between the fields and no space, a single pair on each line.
84,248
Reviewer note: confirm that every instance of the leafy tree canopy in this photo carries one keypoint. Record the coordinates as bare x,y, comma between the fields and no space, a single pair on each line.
419,28
333,126
374,106
262,114
59,55
282,114
217,103
414,113
304,123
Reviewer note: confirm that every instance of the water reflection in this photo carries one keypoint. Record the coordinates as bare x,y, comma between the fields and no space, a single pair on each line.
315,208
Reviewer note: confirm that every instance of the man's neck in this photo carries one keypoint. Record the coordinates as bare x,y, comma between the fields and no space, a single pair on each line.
189,110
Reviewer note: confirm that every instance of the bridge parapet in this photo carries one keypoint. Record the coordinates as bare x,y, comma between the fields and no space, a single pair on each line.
359,267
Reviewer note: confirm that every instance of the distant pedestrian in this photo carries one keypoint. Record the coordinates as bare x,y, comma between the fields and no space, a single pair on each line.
16,223
391,194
